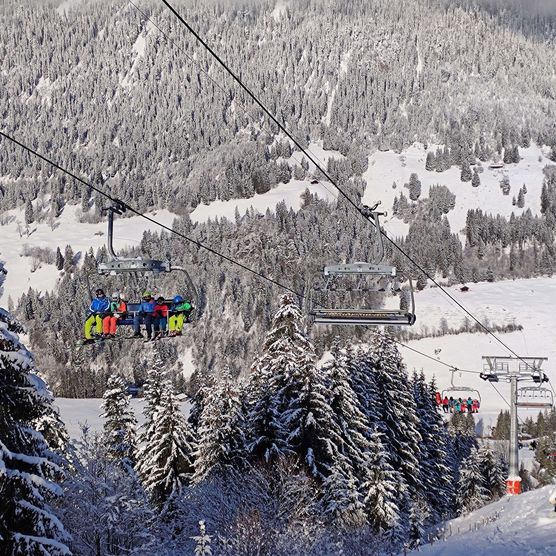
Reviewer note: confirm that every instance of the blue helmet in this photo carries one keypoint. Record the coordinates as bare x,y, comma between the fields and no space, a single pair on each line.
178,299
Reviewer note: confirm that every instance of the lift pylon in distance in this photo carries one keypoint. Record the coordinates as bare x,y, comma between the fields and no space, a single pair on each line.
116,265
361,293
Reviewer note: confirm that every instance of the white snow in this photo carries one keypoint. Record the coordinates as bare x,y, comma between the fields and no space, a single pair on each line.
344,62
186,359
386,167
280,10
527,302
67,5
77,412
128,232
139,49
513,526
290,193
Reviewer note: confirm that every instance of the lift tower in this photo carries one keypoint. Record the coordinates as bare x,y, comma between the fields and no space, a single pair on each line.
513,370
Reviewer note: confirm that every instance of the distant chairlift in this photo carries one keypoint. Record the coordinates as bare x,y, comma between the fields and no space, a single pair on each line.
336,296
462,392
534,397
116,265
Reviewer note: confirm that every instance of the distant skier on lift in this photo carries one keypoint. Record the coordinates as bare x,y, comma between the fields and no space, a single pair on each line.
99,307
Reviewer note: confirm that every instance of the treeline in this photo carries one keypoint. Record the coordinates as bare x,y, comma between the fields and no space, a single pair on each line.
140,119
295,459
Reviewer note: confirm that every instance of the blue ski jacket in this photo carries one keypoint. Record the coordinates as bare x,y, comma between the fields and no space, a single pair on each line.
99,305
147,306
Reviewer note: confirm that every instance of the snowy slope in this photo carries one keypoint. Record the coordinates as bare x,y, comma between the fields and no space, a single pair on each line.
513,526
77,412
128,232
387,167
526,302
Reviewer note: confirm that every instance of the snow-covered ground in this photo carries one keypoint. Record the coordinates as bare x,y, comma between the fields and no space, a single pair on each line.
387,167
513,526
128,232
526,302
290,193
78,412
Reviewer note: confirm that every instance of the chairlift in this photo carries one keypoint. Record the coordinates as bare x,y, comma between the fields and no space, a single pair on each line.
534,397
460,391
336,296
141,266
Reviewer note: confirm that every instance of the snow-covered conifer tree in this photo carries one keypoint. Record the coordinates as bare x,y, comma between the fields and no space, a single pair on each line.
288,411
493,471
27,473
471,491
221,431
165,460
119,422
437,478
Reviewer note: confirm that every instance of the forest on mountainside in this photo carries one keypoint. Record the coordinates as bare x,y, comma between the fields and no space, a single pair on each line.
110,97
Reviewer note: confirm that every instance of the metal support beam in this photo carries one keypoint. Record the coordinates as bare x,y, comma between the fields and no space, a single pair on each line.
513,370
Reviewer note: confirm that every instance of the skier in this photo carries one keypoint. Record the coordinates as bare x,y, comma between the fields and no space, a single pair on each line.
457,406
469,405
160,318
99,307
445,404
438,398
179,312
118,308
451,404
476,405
146,311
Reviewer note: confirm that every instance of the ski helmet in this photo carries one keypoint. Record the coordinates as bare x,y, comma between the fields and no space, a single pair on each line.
115,296
147,294
178,298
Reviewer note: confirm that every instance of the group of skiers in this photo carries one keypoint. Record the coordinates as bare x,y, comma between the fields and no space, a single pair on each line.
452,405
159,315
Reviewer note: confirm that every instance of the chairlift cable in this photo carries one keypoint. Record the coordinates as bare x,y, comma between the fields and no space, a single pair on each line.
333,182
142,215
241,104
195,242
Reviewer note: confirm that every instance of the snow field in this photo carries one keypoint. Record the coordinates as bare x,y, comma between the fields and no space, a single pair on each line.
527,302
513,526
128,232
78,412
386,167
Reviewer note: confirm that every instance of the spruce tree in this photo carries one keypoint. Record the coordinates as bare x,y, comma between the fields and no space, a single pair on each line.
165,461
437,478
475,180
28,475
288,412
471,491
119,422
493,471
221,432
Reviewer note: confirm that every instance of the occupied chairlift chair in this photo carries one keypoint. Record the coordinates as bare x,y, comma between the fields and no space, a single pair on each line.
462,392
116,265
386,276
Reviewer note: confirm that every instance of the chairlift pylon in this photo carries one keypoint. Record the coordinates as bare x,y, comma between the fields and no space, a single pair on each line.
139,265
463,392
352,279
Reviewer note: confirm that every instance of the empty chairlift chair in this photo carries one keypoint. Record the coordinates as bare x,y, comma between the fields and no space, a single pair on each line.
534,397
354,293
